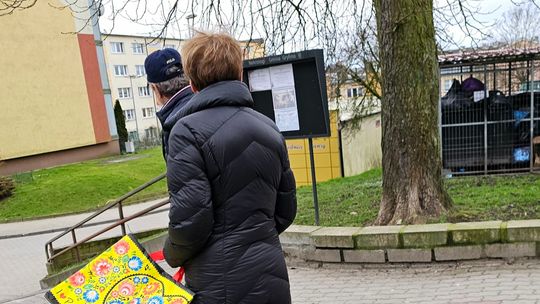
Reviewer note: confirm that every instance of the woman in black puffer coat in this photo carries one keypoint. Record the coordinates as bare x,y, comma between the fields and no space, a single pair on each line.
231,187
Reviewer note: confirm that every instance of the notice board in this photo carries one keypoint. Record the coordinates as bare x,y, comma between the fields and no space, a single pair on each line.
290,89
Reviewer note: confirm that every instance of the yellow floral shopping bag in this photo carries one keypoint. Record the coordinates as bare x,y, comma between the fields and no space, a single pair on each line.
123,274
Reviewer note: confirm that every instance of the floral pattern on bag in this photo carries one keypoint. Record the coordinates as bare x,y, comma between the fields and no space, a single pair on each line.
123,274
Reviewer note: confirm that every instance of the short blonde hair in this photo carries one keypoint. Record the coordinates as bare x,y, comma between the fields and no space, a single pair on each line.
208,58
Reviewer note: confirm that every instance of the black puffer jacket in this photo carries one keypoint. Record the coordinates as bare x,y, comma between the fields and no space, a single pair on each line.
232,192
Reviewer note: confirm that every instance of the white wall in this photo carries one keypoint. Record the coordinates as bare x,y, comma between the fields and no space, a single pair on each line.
361,145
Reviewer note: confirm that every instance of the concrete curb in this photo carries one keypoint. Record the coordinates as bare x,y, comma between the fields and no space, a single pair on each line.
391,244
413,243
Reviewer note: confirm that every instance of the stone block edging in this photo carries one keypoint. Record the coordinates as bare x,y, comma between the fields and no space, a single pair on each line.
413,243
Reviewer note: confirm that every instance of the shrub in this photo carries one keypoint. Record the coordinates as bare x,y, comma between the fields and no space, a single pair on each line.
6,187
120,122
120,125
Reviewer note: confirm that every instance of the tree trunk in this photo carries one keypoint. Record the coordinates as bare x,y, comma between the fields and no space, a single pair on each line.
413,187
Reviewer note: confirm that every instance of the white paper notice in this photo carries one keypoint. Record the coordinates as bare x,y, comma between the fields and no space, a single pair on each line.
282,76
479,95
285,109
279,79
259,80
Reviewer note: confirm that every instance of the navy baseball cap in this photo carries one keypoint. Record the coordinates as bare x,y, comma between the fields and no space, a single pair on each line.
163,65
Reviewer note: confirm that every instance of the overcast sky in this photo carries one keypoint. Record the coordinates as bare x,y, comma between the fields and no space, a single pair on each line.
491,11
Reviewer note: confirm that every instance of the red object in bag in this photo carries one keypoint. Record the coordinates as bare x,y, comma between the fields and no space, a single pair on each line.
158,256
179,275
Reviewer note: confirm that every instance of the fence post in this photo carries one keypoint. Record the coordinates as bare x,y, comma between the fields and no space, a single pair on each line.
313,181
439,118
531,137
486,101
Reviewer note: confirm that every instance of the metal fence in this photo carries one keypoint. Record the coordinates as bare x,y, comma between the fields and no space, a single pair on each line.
494,128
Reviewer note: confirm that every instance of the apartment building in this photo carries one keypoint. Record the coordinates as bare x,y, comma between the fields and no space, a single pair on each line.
125,55
53,89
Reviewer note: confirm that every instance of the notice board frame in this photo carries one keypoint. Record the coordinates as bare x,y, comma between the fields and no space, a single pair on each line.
316,56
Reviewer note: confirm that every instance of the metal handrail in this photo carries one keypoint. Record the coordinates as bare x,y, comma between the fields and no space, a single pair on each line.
114,225
49,250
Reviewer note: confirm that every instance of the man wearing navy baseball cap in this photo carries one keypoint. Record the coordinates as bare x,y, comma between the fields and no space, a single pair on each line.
166,78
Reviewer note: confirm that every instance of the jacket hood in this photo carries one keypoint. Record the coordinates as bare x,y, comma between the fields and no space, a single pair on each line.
224,93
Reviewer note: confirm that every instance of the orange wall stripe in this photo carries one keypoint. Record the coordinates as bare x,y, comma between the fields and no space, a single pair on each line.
94,87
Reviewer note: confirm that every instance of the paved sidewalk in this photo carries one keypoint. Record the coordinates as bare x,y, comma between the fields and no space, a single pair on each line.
488,282
22,265
18,229
22,258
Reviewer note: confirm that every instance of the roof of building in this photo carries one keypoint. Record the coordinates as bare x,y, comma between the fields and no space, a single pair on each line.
140,36
489,55
253,40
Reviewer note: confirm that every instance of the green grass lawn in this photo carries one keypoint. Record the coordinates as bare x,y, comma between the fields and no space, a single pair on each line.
354,201
82,186
351,201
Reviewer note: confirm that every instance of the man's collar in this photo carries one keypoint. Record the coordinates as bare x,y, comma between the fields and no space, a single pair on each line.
177,93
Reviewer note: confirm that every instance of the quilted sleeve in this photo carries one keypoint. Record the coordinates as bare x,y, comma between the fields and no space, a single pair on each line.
286,196
191,215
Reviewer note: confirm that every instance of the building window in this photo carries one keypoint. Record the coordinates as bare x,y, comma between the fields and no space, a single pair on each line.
144,91
139,70
151,132
169,46
124,92
129,114
354,92
477,68
138,48
454,70
148,112
526,86
120,70
133,136
117,47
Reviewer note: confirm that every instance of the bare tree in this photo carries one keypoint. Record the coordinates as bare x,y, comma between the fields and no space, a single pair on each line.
519,26
8,7
518,29
412,179
397,55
